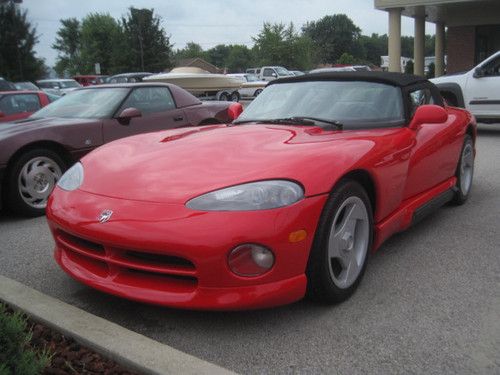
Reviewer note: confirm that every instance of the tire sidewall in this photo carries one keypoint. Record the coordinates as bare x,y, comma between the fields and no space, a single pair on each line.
321,287
460,197
12,198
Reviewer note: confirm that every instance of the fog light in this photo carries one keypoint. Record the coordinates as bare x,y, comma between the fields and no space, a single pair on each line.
250,260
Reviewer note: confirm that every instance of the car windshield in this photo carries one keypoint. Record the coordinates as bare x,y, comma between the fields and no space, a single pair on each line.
282,71
69,84
87,103
352,103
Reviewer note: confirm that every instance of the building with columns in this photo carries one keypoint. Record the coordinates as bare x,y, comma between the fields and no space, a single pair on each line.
473,31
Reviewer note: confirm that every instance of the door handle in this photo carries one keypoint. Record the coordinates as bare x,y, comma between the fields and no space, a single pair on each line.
178,118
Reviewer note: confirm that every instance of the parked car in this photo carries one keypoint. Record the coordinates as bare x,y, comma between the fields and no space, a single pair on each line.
251,84
87,80
269,73
476,90
127,77
26,86
17,105
344,68
58,86
334,69
287,200
35,152
6,85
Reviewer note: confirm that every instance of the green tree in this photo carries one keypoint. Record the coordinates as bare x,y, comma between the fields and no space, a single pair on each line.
219,55
191,50
277,44
18,61
346,59
409,67
101,38
239,58
68,45
333,36
374,46
150,46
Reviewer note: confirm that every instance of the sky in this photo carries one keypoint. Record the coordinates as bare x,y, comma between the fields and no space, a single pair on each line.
209,22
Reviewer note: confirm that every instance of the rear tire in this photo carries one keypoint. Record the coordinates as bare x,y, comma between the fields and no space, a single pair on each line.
465,172
235,96
341,246
30,180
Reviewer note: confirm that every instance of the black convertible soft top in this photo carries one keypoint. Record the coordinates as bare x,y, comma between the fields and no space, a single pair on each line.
391,78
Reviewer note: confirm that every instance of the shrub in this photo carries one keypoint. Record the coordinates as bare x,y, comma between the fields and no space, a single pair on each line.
16,356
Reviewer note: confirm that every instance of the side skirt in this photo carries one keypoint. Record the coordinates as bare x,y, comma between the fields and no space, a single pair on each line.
413,210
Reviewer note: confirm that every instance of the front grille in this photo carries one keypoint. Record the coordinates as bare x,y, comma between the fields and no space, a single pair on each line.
130,267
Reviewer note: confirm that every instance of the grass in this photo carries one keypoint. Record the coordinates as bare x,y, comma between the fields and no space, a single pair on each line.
16,355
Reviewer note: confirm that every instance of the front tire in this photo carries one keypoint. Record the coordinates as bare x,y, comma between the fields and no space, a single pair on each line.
465,172
31,179
343,239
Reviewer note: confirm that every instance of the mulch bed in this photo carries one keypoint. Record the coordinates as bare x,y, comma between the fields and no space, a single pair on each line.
70,357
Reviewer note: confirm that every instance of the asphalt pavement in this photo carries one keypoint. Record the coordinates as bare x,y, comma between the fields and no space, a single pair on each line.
429,302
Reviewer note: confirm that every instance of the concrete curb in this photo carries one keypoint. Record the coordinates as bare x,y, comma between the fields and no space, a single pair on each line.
127,348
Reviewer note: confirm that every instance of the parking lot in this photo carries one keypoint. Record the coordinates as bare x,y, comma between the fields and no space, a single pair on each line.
429,302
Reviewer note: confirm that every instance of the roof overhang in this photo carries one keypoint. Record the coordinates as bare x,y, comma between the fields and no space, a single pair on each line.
449,12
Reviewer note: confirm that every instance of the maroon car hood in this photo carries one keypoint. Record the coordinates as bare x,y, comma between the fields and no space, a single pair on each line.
176,165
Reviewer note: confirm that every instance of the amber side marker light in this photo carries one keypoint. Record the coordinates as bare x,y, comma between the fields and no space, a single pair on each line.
297,236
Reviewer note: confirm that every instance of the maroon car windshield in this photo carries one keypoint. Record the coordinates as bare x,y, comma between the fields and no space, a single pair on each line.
85,103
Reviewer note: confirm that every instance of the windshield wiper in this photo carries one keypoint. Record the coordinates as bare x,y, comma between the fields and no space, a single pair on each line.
338,125
295,120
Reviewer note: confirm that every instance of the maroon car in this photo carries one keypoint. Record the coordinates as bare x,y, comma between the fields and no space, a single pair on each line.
34,156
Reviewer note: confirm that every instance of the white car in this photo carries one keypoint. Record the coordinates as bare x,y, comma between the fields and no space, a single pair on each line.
251,85
58,86
476,90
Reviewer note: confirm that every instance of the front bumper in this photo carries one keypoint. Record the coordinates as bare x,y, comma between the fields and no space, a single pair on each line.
169,255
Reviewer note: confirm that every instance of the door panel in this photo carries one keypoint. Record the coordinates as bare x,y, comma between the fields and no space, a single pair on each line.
482,94
158,113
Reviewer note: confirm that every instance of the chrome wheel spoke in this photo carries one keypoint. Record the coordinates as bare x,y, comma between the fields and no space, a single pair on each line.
37,179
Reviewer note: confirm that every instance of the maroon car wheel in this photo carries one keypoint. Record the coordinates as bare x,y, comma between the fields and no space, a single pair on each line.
31,179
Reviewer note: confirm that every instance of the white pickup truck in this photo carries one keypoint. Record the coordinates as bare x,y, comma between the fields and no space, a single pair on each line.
269,73
477,90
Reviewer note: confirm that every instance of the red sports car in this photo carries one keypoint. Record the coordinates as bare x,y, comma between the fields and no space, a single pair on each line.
287,200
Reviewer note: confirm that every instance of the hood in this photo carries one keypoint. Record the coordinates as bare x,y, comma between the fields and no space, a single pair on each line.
8,129
177,165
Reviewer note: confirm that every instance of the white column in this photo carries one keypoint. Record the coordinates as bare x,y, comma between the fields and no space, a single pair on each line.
395,40
439,49
419,45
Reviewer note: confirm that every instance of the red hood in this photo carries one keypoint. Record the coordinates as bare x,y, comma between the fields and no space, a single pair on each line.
176,165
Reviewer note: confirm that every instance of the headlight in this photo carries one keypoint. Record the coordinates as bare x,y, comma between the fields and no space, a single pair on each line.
72,179
261,195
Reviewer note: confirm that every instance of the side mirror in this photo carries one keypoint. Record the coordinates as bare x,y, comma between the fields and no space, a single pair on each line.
478,72
274,75
127,114
2,114
428,114
234,111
